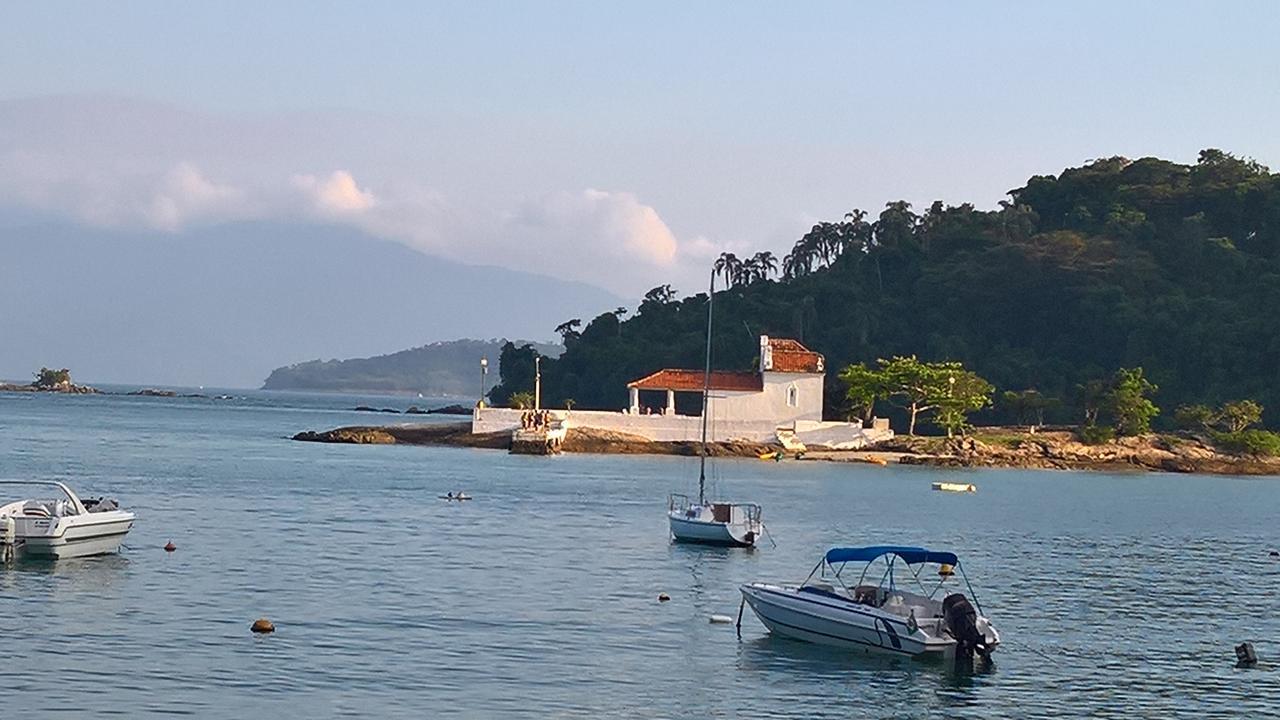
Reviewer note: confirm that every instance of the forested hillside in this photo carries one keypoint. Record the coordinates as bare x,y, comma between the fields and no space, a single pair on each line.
442,369
1119,263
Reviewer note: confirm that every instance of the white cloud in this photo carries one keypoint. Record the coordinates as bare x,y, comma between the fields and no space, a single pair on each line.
184,195
590,226
337,195
169,180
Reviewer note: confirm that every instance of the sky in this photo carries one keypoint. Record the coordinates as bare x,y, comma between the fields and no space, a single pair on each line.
622,145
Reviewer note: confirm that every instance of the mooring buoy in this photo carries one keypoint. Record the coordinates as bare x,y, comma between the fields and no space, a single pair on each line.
170,547
262,625
720,619
1245,655
663,597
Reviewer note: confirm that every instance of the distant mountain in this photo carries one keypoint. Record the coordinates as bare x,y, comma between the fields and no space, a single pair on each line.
221,306
442,369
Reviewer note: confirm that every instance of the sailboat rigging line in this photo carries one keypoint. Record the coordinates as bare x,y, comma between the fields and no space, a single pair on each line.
768,534
706,392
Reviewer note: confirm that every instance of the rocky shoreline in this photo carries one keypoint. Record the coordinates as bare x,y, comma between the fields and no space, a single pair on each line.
65,389
1052,450
577,440
1061,450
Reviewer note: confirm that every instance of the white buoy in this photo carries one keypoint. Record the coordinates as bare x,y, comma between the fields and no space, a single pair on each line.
721,619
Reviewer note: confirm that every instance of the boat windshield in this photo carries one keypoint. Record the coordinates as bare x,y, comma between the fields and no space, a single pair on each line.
890,563
68,504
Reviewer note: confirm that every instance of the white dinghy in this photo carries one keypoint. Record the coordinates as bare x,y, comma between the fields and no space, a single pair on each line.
60,527
878,616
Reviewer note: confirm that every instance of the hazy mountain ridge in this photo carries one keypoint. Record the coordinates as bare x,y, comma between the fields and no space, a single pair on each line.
221,306
449,368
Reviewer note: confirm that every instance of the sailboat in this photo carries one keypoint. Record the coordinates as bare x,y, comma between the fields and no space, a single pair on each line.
712,522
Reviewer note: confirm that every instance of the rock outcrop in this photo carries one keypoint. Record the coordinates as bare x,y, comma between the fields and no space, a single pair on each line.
578,440
1062,451
65,388
1057,450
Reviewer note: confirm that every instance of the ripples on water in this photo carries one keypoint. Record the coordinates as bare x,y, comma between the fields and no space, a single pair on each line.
1117,595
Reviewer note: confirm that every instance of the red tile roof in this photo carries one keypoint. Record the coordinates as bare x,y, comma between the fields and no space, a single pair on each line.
685,380
790,356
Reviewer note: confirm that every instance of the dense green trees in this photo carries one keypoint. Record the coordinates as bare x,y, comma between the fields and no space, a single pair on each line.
945,389
1232,417
48,378
1129,402
1116,264
1027,406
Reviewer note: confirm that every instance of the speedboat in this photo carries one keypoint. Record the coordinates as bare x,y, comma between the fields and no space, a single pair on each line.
61,527
714,523
874,614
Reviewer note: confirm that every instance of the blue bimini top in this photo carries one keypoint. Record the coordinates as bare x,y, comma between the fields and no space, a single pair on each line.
912,555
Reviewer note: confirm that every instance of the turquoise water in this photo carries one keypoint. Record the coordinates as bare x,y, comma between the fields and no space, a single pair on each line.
1115,593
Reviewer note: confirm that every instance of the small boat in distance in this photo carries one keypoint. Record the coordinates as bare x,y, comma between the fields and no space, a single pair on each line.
61,527
712,522
877,616
955,487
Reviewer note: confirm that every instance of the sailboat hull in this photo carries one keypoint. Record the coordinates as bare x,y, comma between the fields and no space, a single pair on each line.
730,534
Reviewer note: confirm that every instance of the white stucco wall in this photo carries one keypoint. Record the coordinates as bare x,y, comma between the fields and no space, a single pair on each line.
771,403
732,415
669,428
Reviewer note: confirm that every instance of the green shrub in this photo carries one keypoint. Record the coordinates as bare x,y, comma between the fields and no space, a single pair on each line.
1249,442
521,400
1096,434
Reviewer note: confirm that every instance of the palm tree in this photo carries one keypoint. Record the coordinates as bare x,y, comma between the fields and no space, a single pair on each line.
896,226
765,263
790,266
856,233
729,266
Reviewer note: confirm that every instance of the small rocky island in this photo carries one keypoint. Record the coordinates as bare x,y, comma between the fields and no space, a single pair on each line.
53,381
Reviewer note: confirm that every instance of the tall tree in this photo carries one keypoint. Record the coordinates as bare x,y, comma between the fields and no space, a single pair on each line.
568,330
1027,406
920,387
1129,404
864,387
1237,415
960,393
765,264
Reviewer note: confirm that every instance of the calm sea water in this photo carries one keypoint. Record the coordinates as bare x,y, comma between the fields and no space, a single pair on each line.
1117,595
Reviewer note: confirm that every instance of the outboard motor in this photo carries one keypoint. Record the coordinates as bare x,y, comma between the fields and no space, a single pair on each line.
962,620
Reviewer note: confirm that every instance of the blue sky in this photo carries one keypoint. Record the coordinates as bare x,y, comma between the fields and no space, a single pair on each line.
576,137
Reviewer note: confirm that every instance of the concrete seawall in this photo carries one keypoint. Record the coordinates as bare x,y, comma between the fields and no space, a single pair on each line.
688,428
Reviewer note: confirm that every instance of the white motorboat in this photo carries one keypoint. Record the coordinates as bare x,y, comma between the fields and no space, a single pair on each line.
60,527
712,522
878,616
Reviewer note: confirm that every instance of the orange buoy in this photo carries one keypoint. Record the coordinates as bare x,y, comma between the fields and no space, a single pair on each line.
263,625
663,597
170,547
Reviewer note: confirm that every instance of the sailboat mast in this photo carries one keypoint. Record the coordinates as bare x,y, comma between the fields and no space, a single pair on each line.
706,397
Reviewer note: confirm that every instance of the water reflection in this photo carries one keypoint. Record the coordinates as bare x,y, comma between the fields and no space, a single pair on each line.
56,579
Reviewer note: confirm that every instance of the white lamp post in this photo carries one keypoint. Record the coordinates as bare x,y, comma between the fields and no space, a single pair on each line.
484,371
537,382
